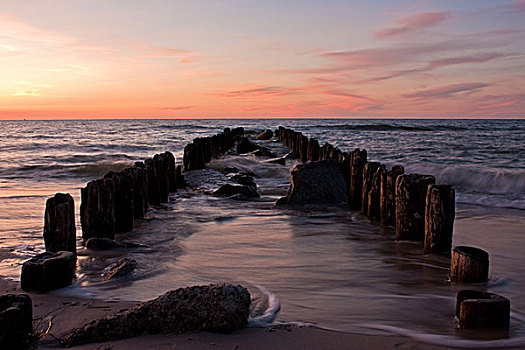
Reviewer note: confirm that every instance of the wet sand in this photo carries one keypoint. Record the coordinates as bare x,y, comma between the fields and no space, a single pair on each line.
65,313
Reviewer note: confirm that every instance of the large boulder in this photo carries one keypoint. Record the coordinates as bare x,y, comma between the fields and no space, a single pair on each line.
215,308
16,321
320,182
48,271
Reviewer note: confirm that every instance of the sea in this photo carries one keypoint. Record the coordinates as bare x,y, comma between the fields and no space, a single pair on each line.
321,267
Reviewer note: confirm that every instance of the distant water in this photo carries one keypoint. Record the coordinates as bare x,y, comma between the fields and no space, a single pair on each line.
331,268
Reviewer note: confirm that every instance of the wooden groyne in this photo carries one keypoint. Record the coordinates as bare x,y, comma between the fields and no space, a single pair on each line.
413,204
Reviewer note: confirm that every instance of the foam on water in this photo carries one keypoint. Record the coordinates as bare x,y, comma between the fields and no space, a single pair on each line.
268,316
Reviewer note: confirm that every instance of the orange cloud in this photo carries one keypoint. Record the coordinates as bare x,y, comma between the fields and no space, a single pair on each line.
447,91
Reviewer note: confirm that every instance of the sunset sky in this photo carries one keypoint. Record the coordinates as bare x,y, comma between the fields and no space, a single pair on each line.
73,59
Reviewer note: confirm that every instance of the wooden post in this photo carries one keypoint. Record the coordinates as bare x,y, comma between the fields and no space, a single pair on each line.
411,193
97,209
153,182
59,224
124,204
374,195
388,195
162,173
475,309
313,150
169,158
368,174
469,265
140,189
16,322
303,147
439,218
357,163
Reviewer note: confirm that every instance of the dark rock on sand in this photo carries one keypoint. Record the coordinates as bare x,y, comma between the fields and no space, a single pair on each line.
48,271
265,135
246,146
228,190
122,268
214,308
320,182
16,321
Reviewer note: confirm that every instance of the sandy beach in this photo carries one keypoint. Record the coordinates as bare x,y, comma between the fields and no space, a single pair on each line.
65,313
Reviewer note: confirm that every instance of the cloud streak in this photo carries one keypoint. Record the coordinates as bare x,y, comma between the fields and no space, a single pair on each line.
413,23
447,91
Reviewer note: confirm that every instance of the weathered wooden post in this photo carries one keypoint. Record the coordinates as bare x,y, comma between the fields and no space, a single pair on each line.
140,189
439,218
411,193
344,163
59,224
162,173
368,174
374,195
313,150
153,182
172,172
47,271
388,195
97,209
303,146
180,178
357,164
124,204
16,321
475,309
469,265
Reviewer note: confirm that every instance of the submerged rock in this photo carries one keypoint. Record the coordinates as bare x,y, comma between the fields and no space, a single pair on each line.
122,268
264,152
106,244
246,146
232,190
265,135
47,271
214,308
320,182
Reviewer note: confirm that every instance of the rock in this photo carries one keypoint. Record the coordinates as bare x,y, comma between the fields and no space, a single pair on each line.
265,135
59,224
475,309
97,209
16,321
102,244
229,170
245,146
48,271
439,218
213,308
469,265
229,190
264,152
207,180
244,179
411,194
320,182
122,268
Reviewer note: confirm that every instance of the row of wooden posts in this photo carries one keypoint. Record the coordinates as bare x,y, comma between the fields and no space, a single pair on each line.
419,209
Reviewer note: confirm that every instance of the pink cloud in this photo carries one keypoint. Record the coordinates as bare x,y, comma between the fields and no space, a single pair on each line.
176,108
447,91
255,92
414,23
517,6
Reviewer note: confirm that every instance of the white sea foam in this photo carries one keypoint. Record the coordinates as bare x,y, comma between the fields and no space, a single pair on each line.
267,317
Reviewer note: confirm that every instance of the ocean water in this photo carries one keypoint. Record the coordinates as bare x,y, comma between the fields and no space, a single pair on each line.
331,268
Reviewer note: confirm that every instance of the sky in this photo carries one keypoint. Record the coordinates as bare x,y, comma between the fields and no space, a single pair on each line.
72,59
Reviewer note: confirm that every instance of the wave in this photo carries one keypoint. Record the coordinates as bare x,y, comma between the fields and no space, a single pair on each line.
475,185
390,127
269,314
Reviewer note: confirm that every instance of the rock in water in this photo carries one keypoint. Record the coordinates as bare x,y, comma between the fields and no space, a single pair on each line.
320,182
214,308
245,146
122,268
16,321
228,190
265,135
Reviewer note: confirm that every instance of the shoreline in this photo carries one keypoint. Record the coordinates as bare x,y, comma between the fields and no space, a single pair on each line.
66,312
